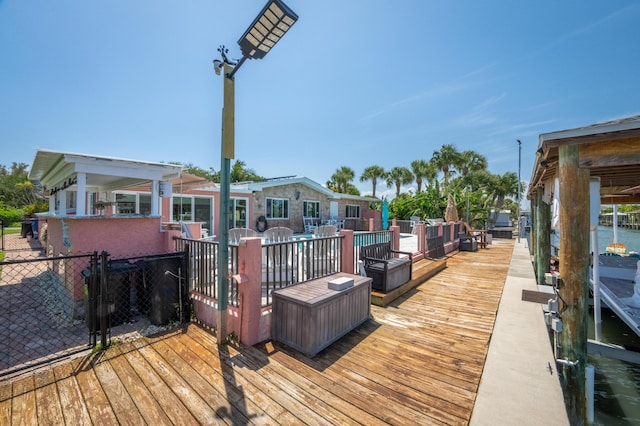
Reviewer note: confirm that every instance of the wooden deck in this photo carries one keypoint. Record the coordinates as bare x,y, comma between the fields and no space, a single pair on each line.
418,361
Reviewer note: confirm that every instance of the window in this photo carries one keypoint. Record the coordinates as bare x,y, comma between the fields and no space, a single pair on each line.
71,202
277,208
181,209
192,209
144,202
353,211
125,203
311,209
238,213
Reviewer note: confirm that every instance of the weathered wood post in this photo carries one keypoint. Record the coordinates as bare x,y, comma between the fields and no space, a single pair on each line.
532,230
542,246
574,269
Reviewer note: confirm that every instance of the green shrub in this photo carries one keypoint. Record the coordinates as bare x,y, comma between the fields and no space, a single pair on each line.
10,215
34,208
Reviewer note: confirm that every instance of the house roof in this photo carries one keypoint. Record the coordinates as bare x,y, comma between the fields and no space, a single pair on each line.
56,169
610,150
259,186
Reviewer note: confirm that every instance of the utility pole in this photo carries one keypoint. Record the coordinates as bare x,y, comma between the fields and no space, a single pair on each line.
519,189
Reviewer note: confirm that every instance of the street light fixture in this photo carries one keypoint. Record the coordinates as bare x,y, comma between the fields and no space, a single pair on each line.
265,31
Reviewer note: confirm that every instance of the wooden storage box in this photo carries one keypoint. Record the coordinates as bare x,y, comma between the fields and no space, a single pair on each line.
310,316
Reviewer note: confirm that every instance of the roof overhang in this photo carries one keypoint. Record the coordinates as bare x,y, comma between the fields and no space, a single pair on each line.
611,152
55,169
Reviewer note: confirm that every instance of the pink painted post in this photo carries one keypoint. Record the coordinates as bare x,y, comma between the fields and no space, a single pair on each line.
372,226
347,251
250,289
420,233
396,236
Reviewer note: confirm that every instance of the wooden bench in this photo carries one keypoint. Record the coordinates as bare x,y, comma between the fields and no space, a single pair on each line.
382,265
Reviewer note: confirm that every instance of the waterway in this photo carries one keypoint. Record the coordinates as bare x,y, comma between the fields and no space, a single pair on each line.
617,386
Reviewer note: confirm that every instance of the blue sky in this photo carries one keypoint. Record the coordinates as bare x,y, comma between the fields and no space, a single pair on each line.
353,83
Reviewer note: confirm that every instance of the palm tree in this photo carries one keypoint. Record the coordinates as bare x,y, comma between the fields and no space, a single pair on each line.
240,173
372,173
471,161
502,187
399,176
445,159
341,180
423,169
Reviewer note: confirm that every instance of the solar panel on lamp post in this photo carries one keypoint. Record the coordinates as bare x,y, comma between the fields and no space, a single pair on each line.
265,31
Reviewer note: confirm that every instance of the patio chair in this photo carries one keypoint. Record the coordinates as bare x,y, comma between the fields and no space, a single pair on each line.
325,231
467,242
278,260
278,234
414,221
338,222
236,234
310,224
323,260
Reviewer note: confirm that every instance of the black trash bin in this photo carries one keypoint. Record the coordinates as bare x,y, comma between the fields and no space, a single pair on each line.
26,228
118,297
119,290
160,292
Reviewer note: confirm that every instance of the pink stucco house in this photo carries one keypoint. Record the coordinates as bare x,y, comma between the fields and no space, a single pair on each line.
132,207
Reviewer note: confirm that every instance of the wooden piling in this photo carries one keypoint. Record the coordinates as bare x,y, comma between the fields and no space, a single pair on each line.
574,269
543,242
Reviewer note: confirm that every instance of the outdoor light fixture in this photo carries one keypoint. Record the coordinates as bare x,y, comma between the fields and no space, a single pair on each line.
273,22
270,25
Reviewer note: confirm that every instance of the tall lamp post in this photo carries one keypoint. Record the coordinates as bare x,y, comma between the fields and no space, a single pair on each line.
519,189
265,31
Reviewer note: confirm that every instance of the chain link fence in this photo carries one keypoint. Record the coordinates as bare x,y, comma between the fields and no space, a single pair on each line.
54,306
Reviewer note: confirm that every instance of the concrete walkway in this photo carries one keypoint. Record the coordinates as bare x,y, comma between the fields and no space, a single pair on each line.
519,384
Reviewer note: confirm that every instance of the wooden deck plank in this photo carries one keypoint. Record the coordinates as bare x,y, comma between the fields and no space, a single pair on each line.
175,410
189,397
217,400
47,400
147,405
263,409
418,361
72,403
450,410
203,345
123,405
306,407
347,401
5,403
96,400
23,408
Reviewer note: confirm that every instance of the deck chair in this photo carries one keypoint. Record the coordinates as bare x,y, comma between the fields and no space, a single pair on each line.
467,242
323,260
325,231
278,260
310,224
339,223
414,221
236,234
278,234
